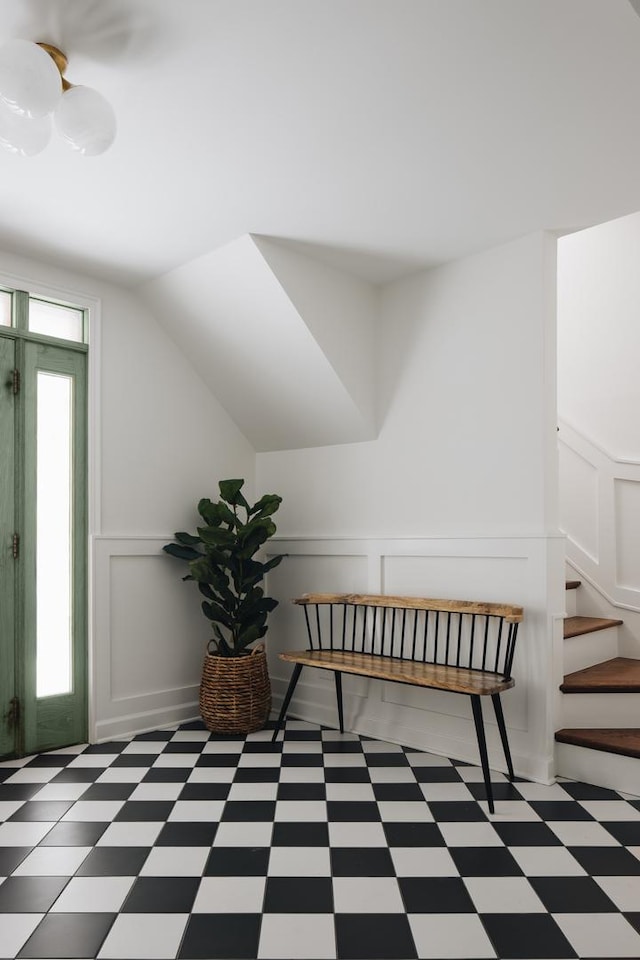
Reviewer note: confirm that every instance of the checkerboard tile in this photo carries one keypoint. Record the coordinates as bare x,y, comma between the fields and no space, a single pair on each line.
182,844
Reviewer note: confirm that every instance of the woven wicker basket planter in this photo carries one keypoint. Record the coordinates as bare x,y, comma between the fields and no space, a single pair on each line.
235,692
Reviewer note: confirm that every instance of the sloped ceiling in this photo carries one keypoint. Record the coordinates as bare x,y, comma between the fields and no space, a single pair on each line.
284,343
396,133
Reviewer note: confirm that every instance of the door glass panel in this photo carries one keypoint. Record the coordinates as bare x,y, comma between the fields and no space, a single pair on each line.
54,534
55,320
5,309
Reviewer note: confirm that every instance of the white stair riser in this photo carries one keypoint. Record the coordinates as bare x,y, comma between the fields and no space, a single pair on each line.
571,602
600,710
589,649
598,767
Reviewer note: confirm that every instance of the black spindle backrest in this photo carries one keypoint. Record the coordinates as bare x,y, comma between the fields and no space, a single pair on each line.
454,633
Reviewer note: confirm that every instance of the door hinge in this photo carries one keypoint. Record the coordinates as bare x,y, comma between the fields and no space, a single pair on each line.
15,381
12,716
15,546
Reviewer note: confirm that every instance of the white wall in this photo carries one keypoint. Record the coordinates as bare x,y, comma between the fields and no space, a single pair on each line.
456,498
163,441
165,438
464,448
599,334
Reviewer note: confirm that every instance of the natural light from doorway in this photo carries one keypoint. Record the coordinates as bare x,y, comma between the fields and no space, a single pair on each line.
54,534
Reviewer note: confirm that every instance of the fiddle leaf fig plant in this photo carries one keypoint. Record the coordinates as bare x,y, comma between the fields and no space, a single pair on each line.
221,559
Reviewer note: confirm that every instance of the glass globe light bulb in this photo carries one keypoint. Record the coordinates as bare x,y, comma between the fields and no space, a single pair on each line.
86,120
26,136
30,82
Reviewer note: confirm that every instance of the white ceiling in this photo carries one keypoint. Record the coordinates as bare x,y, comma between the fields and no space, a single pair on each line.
381,135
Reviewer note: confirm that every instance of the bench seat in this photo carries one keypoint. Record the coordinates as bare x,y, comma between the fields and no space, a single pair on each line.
437,676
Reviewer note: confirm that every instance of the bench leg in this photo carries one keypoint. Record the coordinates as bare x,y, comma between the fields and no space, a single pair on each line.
482,746
287,699
338,677
497,706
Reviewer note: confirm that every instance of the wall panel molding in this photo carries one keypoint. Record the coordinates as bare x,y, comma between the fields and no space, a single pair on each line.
579,501
615,514
626,499
145,677
149,638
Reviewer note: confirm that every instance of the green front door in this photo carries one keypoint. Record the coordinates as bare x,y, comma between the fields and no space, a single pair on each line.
8,689
43,591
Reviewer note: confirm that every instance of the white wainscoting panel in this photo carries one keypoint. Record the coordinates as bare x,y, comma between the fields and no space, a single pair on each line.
149,650
614,570
149,638
579,500
627,532
477,574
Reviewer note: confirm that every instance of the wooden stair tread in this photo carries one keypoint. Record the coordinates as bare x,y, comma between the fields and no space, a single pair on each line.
620,675
625,741
572,584
576,626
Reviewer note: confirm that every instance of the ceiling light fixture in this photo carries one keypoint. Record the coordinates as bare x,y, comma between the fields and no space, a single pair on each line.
35,97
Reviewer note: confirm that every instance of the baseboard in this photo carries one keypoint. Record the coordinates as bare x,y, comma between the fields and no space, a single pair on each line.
135,723
603,769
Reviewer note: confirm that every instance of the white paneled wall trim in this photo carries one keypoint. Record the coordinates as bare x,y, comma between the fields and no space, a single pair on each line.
149,638
511,570
600,514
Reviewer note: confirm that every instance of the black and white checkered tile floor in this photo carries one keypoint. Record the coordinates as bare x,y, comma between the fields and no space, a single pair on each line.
183,844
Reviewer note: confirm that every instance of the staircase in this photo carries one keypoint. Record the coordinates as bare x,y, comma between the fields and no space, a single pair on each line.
601,699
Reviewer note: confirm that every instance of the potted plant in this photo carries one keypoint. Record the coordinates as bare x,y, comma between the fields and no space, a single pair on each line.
235,692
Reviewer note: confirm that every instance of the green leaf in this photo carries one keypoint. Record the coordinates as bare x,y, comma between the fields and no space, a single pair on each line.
253,572
228,516
217,536
230,489
200,570
182,553
224,649
206,591
216,514
187,538
250,573
217,556
257,523
255,607
209,512
257,534
220,583
265,506
230,493
250,635
214,612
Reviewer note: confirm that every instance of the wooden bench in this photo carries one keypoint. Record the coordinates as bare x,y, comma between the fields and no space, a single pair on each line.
454,645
